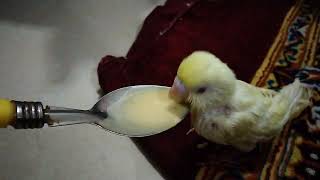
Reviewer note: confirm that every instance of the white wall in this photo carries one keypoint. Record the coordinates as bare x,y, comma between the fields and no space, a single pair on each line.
49,51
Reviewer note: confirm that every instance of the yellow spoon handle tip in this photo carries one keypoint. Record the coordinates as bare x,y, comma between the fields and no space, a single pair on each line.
7,112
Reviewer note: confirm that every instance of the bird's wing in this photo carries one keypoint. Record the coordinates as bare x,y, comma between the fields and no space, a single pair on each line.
267,92
250,105
252,99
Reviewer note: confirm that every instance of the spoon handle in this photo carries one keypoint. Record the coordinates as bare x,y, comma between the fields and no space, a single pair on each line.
21,115
7,112
29,115
60,116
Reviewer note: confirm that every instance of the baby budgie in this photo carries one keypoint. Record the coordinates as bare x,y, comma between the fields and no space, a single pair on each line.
232,112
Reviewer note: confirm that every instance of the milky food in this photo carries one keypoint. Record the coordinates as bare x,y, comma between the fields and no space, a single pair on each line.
144,112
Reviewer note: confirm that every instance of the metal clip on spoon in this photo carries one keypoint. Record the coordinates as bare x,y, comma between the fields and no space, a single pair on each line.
28,115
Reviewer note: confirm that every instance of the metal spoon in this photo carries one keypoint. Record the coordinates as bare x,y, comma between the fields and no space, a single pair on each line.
30,115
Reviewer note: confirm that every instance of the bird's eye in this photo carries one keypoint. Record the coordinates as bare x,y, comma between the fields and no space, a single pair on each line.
201,90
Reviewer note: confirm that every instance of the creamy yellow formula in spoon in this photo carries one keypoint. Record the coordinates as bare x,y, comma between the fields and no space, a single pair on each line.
147,111
133,111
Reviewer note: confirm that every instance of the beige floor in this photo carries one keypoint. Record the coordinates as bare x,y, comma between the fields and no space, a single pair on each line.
49,52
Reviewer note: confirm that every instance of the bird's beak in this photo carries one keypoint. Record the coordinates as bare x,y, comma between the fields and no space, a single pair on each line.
178,91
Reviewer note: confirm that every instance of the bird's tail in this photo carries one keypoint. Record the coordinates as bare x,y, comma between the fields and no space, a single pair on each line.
286,105
299,93
292,99
297,97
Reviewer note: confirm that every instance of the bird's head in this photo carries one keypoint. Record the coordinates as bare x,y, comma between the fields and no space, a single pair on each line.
203,80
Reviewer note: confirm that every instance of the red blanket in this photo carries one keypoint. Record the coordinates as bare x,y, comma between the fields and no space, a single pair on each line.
240,33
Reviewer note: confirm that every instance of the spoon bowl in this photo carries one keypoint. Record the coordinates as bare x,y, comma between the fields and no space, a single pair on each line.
114,98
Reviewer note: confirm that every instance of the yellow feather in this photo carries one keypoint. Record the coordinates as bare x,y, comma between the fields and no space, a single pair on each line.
193,69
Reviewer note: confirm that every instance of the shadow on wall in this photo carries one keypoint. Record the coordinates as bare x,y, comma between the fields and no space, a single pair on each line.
81,31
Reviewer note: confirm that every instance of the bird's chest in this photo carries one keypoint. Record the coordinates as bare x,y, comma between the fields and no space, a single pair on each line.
212,123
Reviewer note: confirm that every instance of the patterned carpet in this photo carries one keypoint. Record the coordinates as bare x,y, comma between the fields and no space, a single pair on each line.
295,154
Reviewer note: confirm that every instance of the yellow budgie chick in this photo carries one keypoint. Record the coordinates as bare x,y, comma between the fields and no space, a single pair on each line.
232,112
